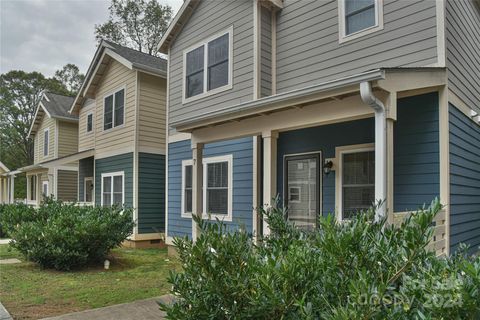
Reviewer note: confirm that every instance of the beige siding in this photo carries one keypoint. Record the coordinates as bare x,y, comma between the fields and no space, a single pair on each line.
38,141
151,120
116,77
67,185
86,139
67,138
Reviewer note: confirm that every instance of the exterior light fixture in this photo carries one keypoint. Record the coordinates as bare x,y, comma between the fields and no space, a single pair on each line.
327,167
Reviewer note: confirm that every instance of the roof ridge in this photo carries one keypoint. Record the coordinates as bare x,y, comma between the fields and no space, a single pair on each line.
132,49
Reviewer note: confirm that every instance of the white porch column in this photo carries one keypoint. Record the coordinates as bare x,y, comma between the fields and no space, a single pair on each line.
12,189
1,190
28,188
269,171
197,185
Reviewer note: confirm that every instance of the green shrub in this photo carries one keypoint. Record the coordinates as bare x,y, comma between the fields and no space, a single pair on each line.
358,269
66,236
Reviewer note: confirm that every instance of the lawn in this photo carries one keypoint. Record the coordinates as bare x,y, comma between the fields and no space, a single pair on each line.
28,292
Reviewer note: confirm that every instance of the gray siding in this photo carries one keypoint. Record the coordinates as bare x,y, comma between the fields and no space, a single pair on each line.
265,52
67,185
308,49
122,162
416,152
209,18
151,192
85,170
463,47
464,180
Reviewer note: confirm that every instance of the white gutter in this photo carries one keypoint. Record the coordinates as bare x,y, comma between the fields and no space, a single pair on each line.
380,146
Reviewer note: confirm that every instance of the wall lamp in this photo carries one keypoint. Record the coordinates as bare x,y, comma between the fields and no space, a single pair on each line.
327,167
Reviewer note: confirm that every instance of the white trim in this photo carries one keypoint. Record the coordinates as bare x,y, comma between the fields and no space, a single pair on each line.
45,183
339,152
185,163
112,93
204,43
167,110
256,49
135,153
441,48
212,216
85,179
111,175
46,130
274,52
90,113
343,37
181,136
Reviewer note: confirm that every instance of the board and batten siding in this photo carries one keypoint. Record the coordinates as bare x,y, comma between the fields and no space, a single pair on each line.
152,112
86,139
85,170
67,138
463,48
49,123
464,180
209,18
151,193
116,77
309,52
67,185
242,151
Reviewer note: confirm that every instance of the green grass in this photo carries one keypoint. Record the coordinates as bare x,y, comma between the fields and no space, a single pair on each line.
28,292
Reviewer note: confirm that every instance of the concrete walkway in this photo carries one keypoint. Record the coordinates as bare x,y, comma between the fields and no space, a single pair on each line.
4,241
4,315
138,310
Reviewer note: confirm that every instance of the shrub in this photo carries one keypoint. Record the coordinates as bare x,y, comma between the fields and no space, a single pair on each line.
66,236
358,269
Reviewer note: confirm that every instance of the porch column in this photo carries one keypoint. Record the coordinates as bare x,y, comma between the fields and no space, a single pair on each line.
2,190
197,185
28,188
269,171
380,162
12,189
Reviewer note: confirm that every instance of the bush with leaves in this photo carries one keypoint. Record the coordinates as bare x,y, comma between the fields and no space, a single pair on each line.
358,269
66,236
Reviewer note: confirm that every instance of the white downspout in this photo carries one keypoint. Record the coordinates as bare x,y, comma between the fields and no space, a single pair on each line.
380,146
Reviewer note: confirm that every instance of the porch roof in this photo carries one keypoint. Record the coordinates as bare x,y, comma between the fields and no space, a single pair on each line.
59,161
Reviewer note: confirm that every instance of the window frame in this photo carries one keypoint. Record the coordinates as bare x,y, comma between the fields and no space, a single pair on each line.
111,175
339,153
33,188
112,93
45,194
185,163
206,92
47,145
342,23
299,193
213,216
90,114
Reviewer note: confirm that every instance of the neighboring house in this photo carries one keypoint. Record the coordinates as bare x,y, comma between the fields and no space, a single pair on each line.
329,104
54,132
7,184
121,154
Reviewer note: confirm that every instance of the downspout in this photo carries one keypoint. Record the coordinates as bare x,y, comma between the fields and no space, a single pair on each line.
380,146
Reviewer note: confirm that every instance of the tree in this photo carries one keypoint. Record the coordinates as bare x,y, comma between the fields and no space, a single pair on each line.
70,77
138,24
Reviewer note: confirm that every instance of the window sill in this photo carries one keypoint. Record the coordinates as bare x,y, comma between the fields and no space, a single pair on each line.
359,34
214,217
206,94
113,129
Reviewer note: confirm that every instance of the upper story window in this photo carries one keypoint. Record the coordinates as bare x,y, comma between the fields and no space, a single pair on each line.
113,110
208,67
359,17
217,187
89,122
46,140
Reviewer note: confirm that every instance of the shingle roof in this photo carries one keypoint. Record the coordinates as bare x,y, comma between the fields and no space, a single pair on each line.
58,105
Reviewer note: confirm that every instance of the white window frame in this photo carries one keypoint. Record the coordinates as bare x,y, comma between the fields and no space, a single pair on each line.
85,179
91,114
299,194
213,216
111,175
342,26
204,43
46,131
185,163
339,153
124,87
45,194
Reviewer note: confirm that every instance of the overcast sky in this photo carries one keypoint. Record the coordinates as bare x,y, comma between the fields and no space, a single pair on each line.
44,35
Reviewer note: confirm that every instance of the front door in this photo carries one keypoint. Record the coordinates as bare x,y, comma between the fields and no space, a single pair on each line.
302,189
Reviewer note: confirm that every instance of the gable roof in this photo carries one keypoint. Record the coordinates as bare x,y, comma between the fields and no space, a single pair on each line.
3,167
130,58
54,106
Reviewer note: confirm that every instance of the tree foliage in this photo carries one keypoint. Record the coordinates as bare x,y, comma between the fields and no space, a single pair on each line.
138,24
70,77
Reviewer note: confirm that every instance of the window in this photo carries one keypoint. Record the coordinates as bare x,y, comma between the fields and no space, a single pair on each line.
46,134
217,187
33,187
112,189
187,180
45,188
208,66
294,194
113,112
89,122
357,181
359,17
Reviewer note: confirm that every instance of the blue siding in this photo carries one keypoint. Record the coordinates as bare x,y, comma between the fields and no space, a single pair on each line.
122,162
464,180
85,169
416,152
324,139
242,151
151,193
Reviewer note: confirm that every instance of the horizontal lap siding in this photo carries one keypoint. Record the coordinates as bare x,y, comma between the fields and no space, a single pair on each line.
266,53
67,138
308,49
85,170
242,151
463,47
416,152
67,184
464,180
209,18
151,193
122,162
86,139
51,124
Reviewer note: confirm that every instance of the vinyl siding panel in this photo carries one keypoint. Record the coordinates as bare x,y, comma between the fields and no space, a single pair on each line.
464,181
67,138
265,52
463,47
86,140
85,170
308,49
209,18
49,123
152,112
67,185
416,152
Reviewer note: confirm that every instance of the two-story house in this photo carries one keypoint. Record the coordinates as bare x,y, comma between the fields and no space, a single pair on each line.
54,132
121,137
332,105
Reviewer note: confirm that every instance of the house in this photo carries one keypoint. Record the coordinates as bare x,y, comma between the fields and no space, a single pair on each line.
54,132
7,184
332,105
121,140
